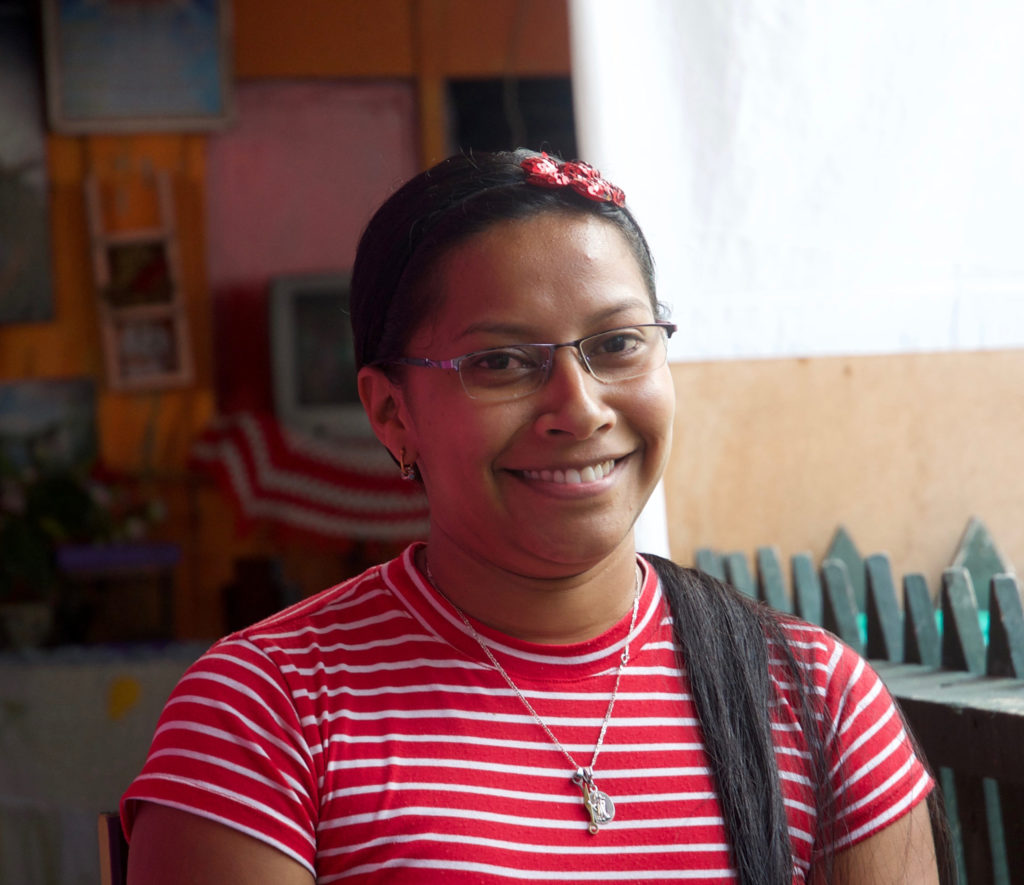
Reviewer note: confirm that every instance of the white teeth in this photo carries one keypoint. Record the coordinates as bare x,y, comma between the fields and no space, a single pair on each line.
590,473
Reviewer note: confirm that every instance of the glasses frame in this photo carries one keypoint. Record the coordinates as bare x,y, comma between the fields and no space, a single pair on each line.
453,364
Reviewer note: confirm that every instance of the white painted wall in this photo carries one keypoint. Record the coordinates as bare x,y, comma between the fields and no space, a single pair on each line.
816,177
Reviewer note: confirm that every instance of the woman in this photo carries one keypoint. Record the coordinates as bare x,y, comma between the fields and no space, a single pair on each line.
523,698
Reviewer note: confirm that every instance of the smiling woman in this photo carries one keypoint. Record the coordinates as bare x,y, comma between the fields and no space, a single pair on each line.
523,697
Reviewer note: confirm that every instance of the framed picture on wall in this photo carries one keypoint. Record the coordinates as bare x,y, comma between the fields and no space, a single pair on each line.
313,357
137,65
145,352
47,423
139,273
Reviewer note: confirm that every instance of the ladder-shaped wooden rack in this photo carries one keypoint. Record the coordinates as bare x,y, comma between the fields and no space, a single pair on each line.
141,310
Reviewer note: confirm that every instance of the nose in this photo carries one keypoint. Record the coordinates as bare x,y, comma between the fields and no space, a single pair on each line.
572,400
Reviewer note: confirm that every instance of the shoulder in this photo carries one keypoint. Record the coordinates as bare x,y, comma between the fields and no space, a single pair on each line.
854,702
351,605
821,654
325,630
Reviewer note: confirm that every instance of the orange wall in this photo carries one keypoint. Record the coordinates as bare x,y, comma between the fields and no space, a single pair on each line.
903,450
425,40
70,345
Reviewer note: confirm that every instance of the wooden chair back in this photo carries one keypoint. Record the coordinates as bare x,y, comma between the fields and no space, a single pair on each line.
113,850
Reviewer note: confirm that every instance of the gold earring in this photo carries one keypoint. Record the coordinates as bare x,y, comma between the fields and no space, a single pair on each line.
408,469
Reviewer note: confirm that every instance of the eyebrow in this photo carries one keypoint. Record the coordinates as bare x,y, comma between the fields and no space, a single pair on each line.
525,335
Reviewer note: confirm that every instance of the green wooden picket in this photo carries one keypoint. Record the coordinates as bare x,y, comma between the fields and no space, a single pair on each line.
843,548
1006,658
963,646
921,643
711,563
884,622
806,589
1006,629
771,586
737,573
840,608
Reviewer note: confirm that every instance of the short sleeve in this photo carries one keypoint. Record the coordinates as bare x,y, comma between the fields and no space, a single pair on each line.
230,747
876,772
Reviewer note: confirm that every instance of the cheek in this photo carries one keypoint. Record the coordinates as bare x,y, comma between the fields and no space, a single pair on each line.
458,437
652,407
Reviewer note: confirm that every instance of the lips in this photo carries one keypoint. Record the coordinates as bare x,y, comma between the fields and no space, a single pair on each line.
572,475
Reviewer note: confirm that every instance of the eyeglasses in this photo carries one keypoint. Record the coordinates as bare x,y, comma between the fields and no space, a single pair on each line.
517,370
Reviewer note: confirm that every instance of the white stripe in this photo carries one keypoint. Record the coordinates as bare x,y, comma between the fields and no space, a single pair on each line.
217,762
869,697
484,691
607,875
449,713
286,748
357,627
561,801
887,814
889,782
477,765
244,691
511,820
479,741
559,850
879,757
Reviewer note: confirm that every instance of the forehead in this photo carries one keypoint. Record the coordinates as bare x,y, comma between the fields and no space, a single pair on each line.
538,273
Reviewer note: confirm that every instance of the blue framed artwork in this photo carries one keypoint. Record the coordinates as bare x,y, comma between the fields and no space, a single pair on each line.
137,65
47,424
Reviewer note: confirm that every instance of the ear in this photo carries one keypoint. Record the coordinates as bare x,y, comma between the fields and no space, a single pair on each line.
385,406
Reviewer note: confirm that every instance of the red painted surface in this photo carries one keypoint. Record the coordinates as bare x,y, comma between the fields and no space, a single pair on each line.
289,188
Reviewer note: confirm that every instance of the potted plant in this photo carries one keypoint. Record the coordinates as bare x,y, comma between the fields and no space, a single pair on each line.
43,509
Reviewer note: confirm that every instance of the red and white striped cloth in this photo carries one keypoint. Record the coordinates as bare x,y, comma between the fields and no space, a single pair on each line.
328,489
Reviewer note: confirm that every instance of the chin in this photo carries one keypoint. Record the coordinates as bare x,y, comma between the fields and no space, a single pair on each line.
580,547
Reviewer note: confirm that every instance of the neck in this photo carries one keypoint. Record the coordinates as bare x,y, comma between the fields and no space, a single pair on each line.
555,604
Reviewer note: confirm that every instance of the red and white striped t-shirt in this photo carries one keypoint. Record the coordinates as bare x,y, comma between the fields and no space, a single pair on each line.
364,733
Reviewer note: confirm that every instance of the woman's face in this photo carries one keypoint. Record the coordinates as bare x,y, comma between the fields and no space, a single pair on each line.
495,472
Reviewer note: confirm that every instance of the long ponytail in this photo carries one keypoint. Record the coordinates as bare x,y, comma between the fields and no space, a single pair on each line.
723,638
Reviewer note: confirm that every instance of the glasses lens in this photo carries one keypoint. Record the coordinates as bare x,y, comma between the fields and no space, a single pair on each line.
630,352
503,372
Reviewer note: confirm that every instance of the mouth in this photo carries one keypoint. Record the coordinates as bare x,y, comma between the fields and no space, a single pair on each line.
573,475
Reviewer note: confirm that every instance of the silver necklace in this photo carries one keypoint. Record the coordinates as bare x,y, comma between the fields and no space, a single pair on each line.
598,804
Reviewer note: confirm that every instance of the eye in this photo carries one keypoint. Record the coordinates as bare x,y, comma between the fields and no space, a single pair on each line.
618,343
502,359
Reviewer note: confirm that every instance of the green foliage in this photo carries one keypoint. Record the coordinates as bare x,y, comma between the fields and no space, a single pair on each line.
41,509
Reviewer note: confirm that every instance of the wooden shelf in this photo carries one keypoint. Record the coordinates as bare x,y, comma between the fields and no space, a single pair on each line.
141,310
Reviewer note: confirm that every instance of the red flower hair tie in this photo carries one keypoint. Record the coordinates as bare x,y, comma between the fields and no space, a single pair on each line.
544,171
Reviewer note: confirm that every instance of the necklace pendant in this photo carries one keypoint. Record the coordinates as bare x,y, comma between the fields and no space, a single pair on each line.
598,804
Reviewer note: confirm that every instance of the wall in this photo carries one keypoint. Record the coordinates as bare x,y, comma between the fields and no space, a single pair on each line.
902,450
418,42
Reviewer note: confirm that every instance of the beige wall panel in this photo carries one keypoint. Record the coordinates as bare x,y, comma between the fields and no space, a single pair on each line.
902,450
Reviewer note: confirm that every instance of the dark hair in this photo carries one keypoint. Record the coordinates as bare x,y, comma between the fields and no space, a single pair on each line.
732,690
432,213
